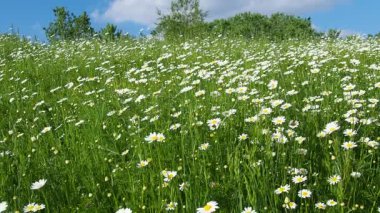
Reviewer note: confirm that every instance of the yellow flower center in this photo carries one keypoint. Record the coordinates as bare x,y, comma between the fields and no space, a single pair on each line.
30,208
207,207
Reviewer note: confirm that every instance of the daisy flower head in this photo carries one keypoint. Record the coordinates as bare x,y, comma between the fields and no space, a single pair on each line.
38,184
331,127
276,103
200,93
282,189
169,175
300,139
204,146
211,206
241,90
279,137
252,119
45,130
183,186
243,137
171,206
304,193
355,174
320,205
142,164
3,206
334,179
352,120
230,90
299,179
278,120
124,210
272,84
290,132
293,124
175,126
214,123
289,204
186,89
265,111
248,210
349,87
349,145
33,207
331,202
349,132
152,137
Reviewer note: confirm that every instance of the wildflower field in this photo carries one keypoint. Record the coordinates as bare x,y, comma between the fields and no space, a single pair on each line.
212,125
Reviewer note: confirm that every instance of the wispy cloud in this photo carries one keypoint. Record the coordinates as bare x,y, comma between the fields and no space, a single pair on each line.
145,11
139,11
347,32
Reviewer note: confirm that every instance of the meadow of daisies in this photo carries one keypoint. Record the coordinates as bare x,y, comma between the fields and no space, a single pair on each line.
212,125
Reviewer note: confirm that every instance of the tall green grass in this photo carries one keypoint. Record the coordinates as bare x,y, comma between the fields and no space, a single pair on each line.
102,100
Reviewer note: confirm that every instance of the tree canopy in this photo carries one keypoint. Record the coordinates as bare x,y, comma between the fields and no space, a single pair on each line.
185,19
67,26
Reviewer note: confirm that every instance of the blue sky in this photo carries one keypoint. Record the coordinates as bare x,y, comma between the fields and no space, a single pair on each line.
29,16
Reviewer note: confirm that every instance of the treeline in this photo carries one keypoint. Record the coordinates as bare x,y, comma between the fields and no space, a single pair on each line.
68,26
278,26
253,25
186,21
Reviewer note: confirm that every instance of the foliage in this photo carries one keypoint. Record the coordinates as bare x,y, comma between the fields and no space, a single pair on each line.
186,19
377,35
253,25
105,122
67,26
287,26
333,33
110,32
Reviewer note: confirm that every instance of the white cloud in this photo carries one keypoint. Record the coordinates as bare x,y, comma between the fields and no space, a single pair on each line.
228,8
145,11
346,32
139,11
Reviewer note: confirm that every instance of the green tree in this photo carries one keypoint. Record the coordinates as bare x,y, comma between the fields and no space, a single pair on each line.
247,24
333,33
253,25
67,26
186,19
82,26
110,32
60,28
286,26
